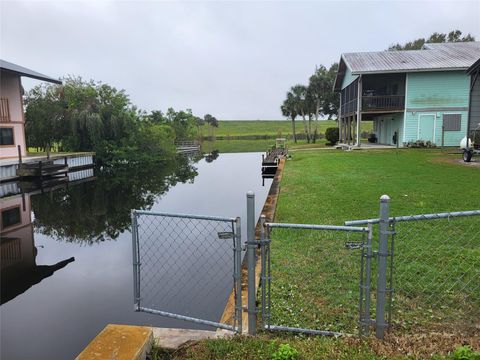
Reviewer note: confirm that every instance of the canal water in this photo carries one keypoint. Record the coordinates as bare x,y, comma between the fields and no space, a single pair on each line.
67,252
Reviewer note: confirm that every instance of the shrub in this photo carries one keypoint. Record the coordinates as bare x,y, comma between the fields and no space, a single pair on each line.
332,135
285,352
420,144
465,353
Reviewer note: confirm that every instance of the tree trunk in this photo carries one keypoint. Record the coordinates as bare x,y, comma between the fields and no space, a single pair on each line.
293,130
310,127
305,127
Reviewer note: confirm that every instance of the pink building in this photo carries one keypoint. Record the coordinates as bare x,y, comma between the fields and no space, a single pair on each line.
12,118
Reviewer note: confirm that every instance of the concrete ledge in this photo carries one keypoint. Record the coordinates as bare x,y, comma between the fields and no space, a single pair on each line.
172,339
119,342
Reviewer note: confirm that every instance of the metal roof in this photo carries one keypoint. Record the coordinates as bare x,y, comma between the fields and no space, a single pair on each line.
474,67
433,57
22,71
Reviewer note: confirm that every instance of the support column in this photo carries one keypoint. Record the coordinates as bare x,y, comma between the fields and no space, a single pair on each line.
340,130
348,129
359,109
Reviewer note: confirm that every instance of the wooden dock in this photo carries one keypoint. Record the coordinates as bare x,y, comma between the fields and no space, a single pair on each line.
271,159
187,146
41,169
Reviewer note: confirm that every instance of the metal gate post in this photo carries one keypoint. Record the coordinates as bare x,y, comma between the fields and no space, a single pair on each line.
380,323
136,262
238,274
251,249
263,275
368,279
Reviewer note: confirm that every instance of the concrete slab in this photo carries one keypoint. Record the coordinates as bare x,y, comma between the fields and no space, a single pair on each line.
172,339
119,342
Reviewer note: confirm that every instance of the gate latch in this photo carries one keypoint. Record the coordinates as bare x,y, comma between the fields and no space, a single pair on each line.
225,235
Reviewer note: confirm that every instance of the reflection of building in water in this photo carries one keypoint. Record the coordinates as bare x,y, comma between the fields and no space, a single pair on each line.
19,270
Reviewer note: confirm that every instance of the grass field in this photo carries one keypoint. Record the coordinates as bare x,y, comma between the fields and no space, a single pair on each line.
315,278
332,187
260,127
272,129
266,127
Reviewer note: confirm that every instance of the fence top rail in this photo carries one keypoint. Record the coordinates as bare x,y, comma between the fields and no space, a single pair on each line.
417,217
186,216
317,227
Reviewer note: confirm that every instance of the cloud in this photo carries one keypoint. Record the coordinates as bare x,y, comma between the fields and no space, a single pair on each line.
235,60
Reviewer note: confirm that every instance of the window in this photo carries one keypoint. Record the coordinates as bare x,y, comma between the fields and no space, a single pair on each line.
452,122
11,217
6,136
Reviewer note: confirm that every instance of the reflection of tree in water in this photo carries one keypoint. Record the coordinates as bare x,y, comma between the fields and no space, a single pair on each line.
97,210
212,156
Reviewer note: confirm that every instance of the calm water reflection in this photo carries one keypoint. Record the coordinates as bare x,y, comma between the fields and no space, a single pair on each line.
66,254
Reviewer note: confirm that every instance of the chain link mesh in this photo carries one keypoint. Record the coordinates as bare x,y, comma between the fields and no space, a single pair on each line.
315,277
436,274
186,265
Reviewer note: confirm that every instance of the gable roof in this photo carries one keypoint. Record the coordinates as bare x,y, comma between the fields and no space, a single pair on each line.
23,71
434,57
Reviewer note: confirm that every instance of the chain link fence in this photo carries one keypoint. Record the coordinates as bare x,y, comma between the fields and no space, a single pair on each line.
186,266
436,273
433,274
318,292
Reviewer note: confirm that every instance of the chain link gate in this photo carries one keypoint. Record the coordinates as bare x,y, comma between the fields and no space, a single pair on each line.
187,266
339,290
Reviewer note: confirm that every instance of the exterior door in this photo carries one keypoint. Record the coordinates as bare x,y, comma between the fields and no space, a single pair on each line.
426,127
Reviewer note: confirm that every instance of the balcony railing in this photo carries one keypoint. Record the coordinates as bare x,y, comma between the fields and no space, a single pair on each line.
379,103
4,110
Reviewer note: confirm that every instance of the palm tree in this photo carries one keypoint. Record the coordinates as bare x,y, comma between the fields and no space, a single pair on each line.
301,99
289,110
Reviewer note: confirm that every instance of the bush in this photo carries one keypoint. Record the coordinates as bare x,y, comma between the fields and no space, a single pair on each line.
420,144
285,352
465,353
332,135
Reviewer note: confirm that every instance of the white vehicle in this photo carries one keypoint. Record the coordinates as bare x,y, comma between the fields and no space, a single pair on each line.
472,147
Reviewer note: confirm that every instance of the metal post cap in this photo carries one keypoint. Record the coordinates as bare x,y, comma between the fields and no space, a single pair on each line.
250,193
384,198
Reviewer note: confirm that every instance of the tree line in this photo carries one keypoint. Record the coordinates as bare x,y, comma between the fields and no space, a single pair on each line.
84,115
312,102
452,36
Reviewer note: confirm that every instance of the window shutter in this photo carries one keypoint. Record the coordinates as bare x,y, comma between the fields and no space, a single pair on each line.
452,122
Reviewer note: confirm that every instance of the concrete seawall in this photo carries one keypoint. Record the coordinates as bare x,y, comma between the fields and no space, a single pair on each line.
268,210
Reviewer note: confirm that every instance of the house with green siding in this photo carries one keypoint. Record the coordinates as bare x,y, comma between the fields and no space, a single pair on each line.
408,95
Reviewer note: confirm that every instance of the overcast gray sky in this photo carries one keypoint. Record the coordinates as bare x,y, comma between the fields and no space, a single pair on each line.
235,60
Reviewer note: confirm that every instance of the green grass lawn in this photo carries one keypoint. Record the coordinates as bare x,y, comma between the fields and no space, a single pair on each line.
266,127
314,276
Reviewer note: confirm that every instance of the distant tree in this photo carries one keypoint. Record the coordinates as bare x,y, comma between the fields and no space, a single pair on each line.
319,87
452,36
302,105
44,117
183,123
331,104
157,117
289,109
211,120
